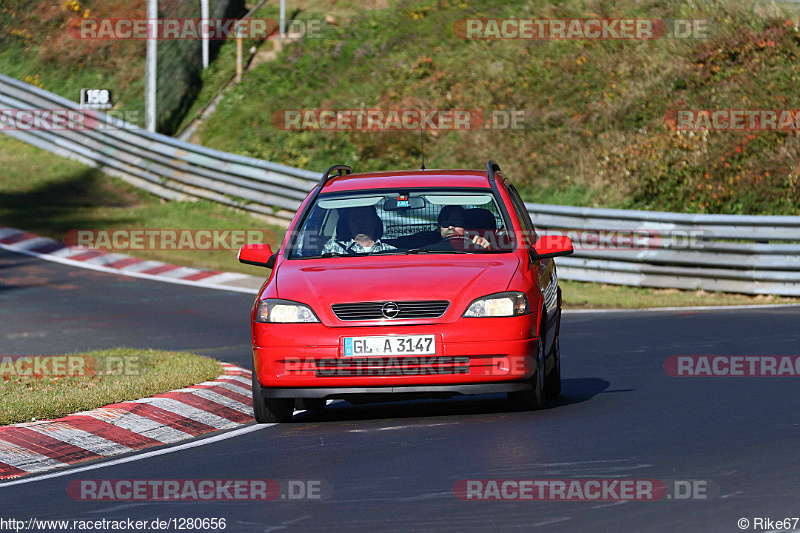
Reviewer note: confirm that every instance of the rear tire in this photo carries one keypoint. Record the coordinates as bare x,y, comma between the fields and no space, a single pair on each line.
552,383
270,410
533,399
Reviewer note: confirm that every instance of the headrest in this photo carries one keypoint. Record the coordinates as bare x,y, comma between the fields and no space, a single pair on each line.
479,218
375,230
451,215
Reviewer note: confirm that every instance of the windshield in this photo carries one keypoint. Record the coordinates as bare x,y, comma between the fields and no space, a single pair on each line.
433,221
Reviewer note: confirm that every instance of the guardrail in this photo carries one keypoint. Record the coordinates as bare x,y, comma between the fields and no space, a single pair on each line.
162,165
733,253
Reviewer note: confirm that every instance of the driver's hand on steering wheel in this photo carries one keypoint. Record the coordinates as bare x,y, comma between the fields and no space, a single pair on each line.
481,241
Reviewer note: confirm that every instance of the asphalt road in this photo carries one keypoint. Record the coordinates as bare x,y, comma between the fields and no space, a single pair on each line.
393,466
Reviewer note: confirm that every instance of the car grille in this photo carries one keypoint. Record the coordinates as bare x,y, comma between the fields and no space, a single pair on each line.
374,310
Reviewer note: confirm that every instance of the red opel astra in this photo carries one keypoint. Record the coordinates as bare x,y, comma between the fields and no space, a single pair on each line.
403,284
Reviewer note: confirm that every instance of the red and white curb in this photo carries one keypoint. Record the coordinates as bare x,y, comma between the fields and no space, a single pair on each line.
178,415
16,240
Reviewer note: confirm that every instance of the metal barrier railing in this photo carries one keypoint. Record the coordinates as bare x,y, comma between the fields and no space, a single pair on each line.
733,253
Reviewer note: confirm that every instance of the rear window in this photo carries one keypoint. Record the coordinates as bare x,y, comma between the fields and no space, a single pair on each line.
418,221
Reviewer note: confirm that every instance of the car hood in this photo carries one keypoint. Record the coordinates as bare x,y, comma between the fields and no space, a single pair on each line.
456,278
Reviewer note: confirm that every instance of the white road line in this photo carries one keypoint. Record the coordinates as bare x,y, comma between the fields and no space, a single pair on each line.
137,457
226,277
139,424
188,411
26,460
80,438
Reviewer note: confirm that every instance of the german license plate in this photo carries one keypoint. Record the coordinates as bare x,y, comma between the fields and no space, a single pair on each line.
394,345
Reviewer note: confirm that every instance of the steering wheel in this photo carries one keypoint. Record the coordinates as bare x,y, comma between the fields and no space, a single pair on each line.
462,243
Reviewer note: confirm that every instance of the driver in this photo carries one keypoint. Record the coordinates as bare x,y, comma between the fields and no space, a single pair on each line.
359,230
451,228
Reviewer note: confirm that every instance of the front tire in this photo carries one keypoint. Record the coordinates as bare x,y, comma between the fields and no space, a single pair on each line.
270,410
533,399
552,382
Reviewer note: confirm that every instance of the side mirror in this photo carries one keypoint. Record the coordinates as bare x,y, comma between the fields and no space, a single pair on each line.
257,255
552,246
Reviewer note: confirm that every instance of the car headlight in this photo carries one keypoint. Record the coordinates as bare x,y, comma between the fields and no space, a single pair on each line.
284,311
500,304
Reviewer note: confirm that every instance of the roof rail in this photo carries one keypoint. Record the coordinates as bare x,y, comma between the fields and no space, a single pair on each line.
337,168
491,168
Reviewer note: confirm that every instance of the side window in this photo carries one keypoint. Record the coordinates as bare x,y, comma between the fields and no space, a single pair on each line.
523,217
309,240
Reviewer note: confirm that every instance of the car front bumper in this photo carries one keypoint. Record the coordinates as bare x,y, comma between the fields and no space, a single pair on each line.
405,390
473,356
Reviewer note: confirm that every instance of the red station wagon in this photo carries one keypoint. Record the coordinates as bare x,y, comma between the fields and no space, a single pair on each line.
404,284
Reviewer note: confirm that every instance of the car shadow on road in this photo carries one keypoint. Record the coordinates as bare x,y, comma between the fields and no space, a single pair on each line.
579,391
574,391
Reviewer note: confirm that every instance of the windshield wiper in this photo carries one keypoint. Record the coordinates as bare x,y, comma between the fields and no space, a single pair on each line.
415,251
403,252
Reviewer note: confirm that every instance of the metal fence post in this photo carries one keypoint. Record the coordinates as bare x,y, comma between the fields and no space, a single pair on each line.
283,19
238,53
151,74
204,29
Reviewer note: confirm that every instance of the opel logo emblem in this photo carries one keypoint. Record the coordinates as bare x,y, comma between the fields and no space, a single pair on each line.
390,310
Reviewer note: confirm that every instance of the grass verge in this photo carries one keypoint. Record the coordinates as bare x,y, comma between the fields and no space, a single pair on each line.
118,375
